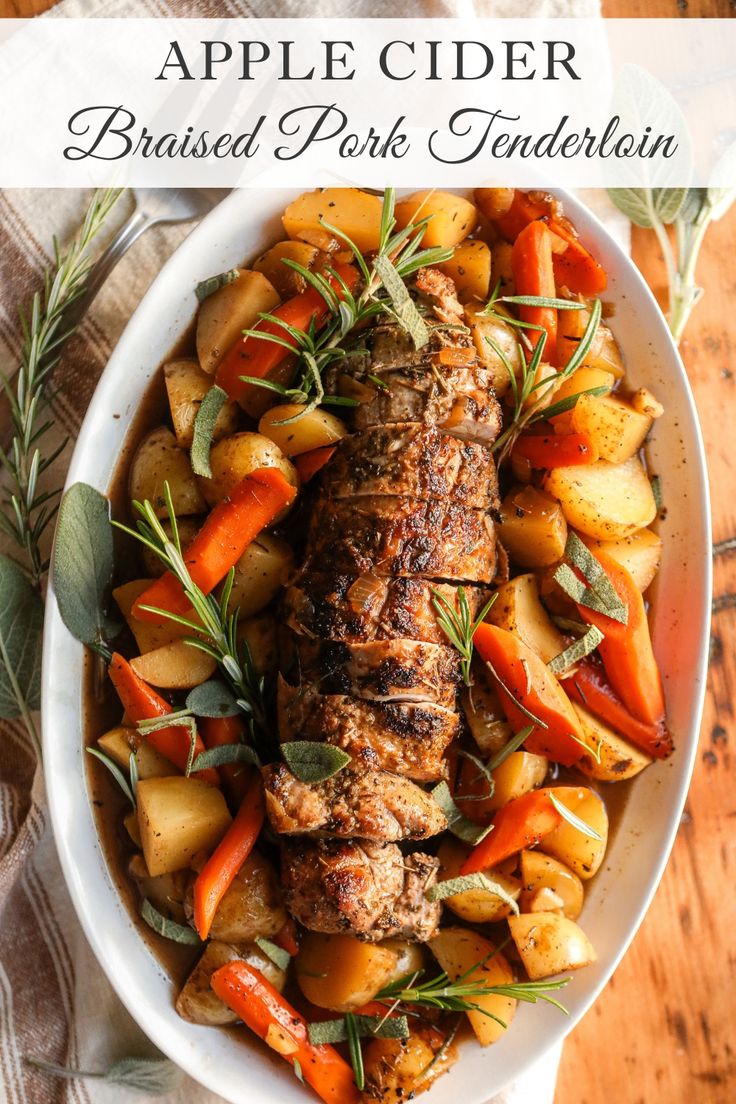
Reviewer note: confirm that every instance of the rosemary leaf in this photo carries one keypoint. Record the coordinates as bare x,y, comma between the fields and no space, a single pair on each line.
572,819
116,772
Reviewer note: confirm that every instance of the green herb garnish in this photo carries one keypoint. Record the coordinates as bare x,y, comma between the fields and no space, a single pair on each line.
458,625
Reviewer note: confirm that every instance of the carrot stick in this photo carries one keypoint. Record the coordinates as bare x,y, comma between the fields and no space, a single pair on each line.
217,874
556,451
221,541
259,358
521,823
575,267
525,680
590,688
218,731
472,793
531,261
626,650
142,703
522,211
286,937
271,1017
309,463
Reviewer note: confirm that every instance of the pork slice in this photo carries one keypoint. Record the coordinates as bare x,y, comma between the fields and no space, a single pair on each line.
392,535
370,607
367,888
413,459
369,804
381,670
406,738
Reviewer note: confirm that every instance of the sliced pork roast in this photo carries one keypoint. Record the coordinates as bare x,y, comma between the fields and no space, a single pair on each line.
404,512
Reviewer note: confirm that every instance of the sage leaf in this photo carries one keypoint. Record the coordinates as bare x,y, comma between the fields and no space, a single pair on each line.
571,818
721,193
83,564
116,772
313,762
21,622
169,929
452,886
578,650
692,205
223,754
204,427
278,955
212,699
208,287
656,484
153,1076
404,308
336,1031
457,823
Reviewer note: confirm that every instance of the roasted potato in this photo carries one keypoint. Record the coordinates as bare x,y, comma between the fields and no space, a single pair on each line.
148,634
234,457
452,217
640,554
458,950
179,817
260,573
354,212
252,905
341,972
493,202
549,886
489,335
470,270
121,742
186,386
310,431
603,500
130,823
616,430
549,944
398,1070
287,281
227,312
517,608
174,666
502,269
476,906
188,527
485,716
619,759
603,353
519,773
197,1002
164,891
158,459
533,529
578,850
582,379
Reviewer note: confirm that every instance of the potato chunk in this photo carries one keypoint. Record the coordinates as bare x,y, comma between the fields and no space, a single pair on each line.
550,944
158,460
252,906
618,758
341,972
533,529
312,430
148,634
398,1070
178,817
603,500
356,213
186,386
122,742
260,573
174,666
544,878
227,312
452,218
458,951
470,270
615,428
234,457
518,609
578,850
491,334
287,281
199,1004
519,773
640,554
476,906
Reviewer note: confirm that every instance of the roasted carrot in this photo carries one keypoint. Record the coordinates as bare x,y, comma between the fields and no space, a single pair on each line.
575,267
309,463
523,210
590,687
472,793
216,876
286,937
556,451
219,731
260,358
221,541
626,650
524,680
531,262
142,703
521,823
271,1017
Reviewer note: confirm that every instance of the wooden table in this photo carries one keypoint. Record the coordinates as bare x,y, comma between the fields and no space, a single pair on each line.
663,1030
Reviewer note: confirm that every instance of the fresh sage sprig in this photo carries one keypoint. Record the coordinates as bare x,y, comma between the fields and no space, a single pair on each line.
152,1076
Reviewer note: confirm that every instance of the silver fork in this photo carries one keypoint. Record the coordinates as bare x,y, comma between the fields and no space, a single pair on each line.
153,206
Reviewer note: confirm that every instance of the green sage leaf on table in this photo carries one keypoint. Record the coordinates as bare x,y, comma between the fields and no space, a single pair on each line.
204,428
21,622
212,699
152,1076
313,762
83,565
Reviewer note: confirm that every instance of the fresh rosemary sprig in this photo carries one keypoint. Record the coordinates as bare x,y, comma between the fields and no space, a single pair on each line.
458,625
27,509
216,630
384,292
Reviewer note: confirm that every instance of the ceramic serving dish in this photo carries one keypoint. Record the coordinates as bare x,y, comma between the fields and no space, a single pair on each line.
238,1067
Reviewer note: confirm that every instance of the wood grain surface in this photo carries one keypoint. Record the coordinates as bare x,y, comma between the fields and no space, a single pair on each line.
663,1030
